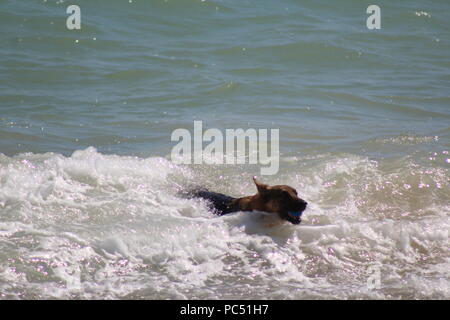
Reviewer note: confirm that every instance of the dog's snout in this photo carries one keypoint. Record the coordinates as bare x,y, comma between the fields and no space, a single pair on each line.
303,204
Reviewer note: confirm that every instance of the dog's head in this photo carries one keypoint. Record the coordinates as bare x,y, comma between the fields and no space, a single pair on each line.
280,199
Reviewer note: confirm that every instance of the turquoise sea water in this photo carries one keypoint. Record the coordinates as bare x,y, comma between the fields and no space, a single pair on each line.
88,205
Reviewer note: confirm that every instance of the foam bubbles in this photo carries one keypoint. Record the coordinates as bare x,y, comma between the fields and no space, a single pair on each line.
105,226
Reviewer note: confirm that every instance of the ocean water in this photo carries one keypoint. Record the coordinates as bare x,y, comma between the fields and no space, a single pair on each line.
88,192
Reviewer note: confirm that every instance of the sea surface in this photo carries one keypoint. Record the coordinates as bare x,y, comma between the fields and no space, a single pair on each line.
88,192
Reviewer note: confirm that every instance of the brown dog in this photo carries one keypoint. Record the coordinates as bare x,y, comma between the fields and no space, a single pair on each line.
281,199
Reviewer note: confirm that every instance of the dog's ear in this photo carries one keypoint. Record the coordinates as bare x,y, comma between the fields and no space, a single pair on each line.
262,188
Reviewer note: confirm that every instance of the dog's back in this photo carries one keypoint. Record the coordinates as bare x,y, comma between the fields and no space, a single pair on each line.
219,202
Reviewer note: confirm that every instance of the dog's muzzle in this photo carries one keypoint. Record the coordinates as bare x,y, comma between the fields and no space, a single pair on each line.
295,216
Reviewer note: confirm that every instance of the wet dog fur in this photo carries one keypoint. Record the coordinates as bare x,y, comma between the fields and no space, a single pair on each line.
282,200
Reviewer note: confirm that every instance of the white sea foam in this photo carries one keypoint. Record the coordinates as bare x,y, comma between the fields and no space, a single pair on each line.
106,226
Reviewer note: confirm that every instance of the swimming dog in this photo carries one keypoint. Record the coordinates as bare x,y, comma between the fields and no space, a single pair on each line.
280,199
